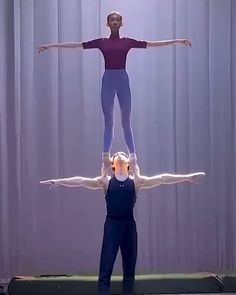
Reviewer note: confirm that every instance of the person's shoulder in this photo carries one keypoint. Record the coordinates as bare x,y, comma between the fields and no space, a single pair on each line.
104,38
128,38
105,178
138,179
104,181
132,179
87,44
99,39
130,41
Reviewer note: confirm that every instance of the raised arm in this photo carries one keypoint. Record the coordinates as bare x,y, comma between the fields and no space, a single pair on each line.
60,45
145,182
169,42
90,183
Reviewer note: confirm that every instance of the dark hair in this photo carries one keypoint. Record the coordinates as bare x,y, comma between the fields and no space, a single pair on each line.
113,12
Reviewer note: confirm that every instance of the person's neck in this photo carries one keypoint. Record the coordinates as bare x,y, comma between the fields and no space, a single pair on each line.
121,174
115,35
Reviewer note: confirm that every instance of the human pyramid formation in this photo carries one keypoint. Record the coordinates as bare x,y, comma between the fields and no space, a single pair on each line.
120,177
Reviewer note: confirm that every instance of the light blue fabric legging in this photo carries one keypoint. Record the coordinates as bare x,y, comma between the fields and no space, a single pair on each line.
116,82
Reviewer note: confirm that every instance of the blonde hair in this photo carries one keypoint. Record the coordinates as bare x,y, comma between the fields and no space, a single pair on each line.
119,153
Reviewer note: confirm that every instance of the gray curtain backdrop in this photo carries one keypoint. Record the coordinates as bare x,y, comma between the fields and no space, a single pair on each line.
51,125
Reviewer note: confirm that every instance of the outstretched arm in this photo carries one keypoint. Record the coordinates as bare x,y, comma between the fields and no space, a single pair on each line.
90,183
60,45
169,42
142,182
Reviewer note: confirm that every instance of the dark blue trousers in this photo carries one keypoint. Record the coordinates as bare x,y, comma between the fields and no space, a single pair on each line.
118,234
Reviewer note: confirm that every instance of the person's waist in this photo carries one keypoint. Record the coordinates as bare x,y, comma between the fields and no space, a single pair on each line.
121,216
115,70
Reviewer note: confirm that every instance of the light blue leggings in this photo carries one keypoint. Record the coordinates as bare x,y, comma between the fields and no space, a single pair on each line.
116,82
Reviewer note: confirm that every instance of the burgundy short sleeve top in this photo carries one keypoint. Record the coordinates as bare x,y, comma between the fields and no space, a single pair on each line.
114,50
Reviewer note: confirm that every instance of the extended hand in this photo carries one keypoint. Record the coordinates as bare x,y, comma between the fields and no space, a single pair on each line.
186,42
195,177
42,48
52,182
